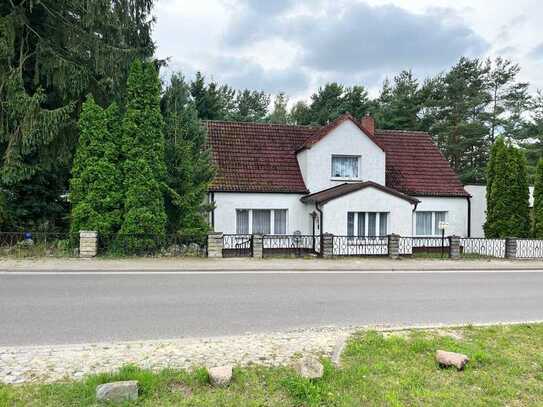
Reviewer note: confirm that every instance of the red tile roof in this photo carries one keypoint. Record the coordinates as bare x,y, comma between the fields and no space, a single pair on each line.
348,187
415,166
252,157
260,157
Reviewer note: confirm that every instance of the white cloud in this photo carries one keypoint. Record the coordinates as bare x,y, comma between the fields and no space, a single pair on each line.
296,46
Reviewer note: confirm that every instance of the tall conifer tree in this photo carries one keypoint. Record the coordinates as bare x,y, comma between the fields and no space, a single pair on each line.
95,192
144,170
538,202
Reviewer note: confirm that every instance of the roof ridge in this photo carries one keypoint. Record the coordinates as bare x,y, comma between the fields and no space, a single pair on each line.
303,126
402,131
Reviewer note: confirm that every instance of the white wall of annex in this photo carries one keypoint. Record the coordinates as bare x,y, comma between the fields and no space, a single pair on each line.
226,203
457,212
368,200
478,207
347,139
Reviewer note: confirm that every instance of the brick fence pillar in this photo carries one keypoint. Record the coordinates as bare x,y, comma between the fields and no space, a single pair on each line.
394,246
257,246
327,245
88,243
214,244
454,247
510,248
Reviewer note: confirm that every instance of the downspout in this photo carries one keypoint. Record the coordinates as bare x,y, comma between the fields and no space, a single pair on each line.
413,217
212,202
469,216
321,219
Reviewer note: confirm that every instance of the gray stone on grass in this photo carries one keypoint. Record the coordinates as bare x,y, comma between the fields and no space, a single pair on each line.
309,367
117,392
341,343
447,359
220,376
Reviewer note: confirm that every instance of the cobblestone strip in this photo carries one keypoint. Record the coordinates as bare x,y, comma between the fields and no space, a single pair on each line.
62,362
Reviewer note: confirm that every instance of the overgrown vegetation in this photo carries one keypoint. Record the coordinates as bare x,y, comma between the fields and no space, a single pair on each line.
393,369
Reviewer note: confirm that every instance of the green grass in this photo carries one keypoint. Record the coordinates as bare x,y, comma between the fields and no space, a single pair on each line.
506,368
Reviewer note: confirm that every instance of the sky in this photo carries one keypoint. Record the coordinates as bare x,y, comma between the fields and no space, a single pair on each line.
296,46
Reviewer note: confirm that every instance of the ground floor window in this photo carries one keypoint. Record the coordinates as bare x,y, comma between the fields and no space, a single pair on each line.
367,224
261,221
427,222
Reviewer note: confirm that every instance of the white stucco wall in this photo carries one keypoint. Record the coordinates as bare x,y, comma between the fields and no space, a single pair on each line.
478,208
457,213
226,203
368,200
347,139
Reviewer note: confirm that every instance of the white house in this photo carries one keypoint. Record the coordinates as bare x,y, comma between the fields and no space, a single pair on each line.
346,178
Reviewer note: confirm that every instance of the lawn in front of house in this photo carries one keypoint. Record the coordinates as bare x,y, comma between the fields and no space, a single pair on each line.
379,369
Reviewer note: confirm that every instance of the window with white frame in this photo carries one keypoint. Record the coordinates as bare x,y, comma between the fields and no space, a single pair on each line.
427,222
261,221
367,224
345,166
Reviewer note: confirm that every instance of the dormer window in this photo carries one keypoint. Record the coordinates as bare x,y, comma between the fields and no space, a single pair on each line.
345,166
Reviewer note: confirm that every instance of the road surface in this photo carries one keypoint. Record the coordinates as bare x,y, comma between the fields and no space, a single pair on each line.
40,308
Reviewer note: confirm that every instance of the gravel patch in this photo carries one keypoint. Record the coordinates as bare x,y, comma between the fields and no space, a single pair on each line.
54,363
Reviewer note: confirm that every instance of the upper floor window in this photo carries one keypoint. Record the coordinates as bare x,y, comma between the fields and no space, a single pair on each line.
345,166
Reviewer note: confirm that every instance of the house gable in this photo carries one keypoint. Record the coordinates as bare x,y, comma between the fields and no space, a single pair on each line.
344,138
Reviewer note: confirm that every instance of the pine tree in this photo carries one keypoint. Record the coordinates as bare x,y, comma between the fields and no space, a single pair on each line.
509,98
400,103
144,170
188,161
538,202
455,109
249,106
279,113
52,55
95,192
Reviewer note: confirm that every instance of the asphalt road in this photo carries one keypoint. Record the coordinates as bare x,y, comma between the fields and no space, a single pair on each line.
74,308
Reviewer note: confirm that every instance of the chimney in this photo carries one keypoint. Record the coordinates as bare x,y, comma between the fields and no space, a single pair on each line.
368,123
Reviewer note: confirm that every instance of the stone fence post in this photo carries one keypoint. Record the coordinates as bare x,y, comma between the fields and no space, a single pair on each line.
258,246
454,247
394,246
214,244
510,248
88,243
327,245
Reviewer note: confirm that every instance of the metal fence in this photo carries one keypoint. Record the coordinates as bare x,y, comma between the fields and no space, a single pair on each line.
529,249
32,244
360,245
290,245
482,247
169,245
427,245
237,245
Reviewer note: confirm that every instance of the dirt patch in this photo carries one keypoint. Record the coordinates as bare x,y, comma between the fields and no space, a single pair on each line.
180,387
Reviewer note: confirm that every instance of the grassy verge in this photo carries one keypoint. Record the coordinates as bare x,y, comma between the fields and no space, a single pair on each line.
506,368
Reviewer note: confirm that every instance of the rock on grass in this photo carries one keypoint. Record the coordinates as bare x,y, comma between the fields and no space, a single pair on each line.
220,376
309,367
447,359
117,392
